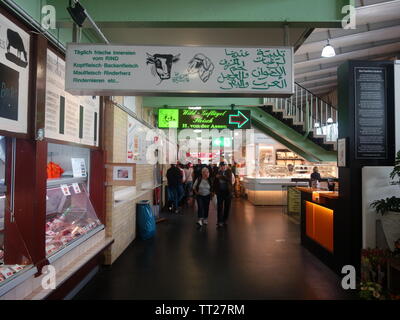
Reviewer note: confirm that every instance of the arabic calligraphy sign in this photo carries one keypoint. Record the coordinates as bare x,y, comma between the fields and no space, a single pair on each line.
150,70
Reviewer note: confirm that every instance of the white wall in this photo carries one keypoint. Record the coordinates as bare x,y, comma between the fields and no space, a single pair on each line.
376,185
397,102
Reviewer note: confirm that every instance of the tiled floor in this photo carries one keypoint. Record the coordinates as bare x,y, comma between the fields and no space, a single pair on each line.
257,256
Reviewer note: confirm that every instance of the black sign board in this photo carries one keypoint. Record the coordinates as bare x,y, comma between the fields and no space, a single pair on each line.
9,82
371,141
204,119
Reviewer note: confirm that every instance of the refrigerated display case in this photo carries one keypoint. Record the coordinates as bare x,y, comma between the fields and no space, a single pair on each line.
14,256
69,215
69,212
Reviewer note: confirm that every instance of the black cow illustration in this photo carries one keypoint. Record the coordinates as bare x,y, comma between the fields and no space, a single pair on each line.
14,40
162,64
202,65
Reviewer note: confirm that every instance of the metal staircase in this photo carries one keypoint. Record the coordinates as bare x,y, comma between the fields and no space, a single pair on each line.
307,114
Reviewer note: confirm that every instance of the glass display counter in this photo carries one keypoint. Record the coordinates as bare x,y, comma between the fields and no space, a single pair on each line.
69,214
14,256
269,191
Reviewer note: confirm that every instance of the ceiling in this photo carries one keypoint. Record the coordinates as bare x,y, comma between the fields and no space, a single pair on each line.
377,36
205,36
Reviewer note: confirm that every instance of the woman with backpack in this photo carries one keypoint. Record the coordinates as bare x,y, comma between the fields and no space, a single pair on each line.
203,190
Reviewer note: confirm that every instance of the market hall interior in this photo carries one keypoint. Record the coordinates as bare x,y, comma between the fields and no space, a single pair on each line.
131,115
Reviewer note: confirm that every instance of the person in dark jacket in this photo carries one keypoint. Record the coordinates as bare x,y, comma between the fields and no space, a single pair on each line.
223,188
174,177
315,177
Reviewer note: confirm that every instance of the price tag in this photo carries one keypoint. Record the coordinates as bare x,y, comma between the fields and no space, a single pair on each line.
78,167
6,272
76,188
16,268
65,190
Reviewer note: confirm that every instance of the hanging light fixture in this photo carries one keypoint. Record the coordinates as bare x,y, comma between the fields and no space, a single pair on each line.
328,51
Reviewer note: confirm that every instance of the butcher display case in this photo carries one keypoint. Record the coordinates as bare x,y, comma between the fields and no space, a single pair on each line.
69,214
14,256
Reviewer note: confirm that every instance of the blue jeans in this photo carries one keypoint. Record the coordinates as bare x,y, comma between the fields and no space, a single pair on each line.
173,195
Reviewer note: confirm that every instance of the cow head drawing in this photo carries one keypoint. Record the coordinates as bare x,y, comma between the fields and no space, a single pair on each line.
161,64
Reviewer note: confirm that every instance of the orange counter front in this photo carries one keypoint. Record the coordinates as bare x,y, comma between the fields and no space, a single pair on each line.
318,213
319,225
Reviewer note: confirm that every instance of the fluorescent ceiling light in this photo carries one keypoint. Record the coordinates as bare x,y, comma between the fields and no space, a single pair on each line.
195,108
328,51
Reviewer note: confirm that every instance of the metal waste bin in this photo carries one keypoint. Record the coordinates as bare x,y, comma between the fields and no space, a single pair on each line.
145,220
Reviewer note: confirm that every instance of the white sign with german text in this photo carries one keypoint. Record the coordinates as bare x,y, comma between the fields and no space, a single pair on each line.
148,70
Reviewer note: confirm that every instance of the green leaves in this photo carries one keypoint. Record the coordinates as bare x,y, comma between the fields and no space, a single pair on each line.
384,205
396,169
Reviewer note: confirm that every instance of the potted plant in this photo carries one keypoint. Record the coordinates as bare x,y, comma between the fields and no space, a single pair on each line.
373,274
389,209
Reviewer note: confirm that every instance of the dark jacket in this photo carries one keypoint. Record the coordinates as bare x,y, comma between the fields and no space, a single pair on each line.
174,176
315,176
227,177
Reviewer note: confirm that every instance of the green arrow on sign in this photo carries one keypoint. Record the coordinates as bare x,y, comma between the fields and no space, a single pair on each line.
239,119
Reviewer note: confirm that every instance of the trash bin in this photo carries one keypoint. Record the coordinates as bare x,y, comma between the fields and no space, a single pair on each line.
145,219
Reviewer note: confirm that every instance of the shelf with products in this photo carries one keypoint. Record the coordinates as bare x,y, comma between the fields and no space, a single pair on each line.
285,154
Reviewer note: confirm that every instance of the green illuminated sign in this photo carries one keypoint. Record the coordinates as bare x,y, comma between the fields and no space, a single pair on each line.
204,119
222,142
168,118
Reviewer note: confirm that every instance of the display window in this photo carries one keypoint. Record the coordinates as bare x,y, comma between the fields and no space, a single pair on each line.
14,255
69,215
69,212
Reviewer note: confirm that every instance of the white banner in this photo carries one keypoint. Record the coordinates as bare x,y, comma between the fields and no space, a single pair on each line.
14,77
68,117
145,70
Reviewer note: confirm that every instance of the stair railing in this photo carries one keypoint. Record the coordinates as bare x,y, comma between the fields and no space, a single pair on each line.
303,104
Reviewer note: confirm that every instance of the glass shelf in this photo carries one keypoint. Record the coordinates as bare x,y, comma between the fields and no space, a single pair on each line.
65,180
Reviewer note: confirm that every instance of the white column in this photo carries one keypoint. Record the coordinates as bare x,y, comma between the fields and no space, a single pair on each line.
397,102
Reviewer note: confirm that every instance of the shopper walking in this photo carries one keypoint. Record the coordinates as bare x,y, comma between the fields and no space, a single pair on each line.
181,186
203,190
197,169
223,187
189,180
174,177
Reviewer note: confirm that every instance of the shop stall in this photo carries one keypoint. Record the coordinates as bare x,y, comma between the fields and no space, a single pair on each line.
277,169
319,214
51,171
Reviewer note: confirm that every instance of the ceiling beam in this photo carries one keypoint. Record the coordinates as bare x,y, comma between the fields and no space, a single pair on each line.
309,83
322,68
211,13
350,40
367,50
